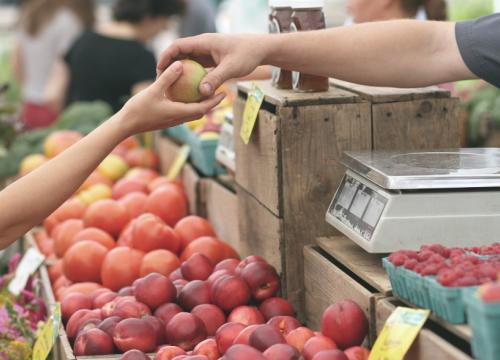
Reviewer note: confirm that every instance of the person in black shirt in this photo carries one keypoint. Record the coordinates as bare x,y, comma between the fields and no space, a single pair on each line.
113,63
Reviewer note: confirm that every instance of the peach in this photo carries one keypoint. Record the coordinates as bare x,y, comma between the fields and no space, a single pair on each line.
243,352
78,318
317,344
298,337
194,293
179,285
265,336
104,298
262,279
108,325
197,267
185,330
176,275
244,336
186,88
228,264
154,290
126,186
226,334
246,315
169,352
211,315
345,323
167,311
216,275
134,334
230,292
357,353
88,324
276,306
284,324
282,352
333,354
246,261
159,327
93,342
208,348
74,302
134,354
127,308
126,291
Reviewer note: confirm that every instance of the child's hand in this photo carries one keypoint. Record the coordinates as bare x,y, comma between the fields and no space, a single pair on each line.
151,109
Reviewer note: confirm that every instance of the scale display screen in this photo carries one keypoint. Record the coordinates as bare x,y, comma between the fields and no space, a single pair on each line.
358,207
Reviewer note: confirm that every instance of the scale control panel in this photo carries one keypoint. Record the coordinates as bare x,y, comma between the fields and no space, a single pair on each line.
357,207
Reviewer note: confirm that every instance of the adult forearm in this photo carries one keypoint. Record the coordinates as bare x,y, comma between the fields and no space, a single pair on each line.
401,53
27,202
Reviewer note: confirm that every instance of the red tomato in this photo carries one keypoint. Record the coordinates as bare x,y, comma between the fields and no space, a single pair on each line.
191,228
168,203
108,215
82,262
121,267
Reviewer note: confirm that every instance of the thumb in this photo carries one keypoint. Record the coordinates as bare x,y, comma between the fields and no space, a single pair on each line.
170,75
214,79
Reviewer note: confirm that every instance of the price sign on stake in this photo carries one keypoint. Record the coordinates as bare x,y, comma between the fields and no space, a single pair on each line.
399,332
179,162
30,262
250,113
48,335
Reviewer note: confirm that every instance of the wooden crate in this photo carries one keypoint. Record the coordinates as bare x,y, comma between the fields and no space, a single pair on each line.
221,205
292,165
429,344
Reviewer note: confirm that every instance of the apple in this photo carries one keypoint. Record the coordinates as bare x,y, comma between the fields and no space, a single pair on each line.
332,354
169,352
284,324
207,348
345,323
211,315
282,352
135,334
185,330
317,344
244,336
93,342
243,352
246,315
134,354
229,292
167,311
74,302
194,293
262,279
276,306
197,267
186,88
298,337
154,290
357,353
108,325
265,336
226,334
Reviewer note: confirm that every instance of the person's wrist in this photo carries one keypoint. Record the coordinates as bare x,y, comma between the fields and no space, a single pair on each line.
268,43
124,123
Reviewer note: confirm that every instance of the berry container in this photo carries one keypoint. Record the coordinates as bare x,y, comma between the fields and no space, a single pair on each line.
484,320
203,154
180,133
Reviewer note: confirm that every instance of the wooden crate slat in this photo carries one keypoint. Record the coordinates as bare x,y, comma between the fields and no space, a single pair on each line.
191,181
279,97
367,266
325,284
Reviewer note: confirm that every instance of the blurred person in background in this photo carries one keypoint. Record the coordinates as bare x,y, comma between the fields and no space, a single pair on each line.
113,62
378,10
198,18
47,29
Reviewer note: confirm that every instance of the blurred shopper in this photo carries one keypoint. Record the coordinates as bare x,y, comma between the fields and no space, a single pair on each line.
198,18
378,10
47,29
113,62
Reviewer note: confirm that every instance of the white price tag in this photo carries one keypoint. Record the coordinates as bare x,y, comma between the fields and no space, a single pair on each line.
30,262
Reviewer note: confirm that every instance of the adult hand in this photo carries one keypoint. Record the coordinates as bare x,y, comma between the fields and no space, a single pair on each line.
150,109
230,56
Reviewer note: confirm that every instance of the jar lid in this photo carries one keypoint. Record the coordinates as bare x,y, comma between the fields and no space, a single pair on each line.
280,3
307,4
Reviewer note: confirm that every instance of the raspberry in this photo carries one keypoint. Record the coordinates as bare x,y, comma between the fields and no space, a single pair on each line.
397,259
419,267
410,264
424,255
447,277
467,281
439,249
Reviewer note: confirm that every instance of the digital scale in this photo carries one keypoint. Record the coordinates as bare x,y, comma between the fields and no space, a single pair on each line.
225,149
389,201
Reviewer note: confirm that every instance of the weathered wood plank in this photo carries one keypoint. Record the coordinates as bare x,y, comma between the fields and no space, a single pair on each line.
313,140
326,284
411,125
365,265
167,150
191,181
279,97
258,162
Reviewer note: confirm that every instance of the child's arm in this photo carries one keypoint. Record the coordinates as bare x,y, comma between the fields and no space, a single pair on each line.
29,200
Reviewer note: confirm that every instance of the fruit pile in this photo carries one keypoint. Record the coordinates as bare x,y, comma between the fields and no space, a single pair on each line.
490,292
203,312
453,267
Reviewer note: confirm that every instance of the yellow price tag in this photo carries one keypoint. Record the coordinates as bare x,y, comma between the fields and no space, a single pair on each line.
48,335
399,333
179,162
251,112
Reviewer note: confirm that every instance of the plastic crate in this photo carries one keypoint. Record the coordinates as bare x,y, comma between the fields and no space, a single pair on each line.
180,133
203,155
484,320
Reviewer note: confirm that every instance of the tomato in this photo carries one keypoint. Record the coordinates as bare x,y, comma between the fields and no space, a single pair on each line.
159,261
71,209
141,157
64,235
44,243
127,186
142,174
121,267
160,181
135,202
82,262
95,234
86,288
211,247
108,215
55,270
168,203
149,233
191,228
125,238
62,281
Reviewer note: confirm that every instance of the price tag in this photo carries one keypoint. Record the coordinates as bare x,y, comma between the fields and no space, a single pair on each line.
252,107
30,262
179,162
48,335
399,332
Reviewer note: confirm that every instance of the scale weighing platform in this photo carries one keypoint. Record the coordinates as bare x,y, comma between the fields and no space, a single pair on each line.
389,201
